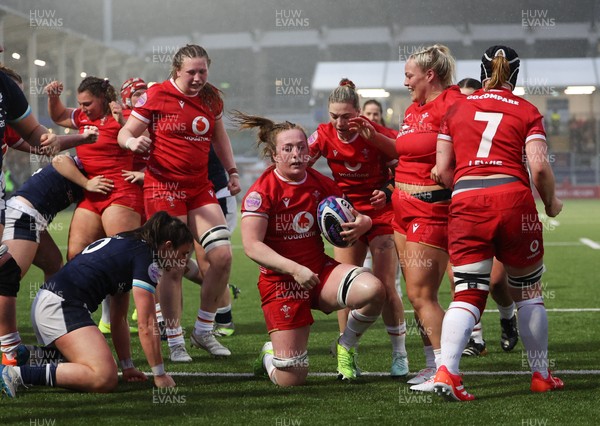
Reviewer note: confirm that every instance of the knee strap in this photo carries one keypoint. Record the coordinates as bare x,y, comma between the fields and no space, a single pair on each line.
527,280
215,237
473,276
346,283
300,361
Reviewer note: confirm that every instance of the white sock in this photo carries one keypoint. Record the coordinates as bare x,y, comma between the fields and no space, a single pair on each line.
9,343
204,321
398,338
159,315
477,334
533,330
506,312
106,310
459,320
175,336
437,354
356,326
429,356
268,363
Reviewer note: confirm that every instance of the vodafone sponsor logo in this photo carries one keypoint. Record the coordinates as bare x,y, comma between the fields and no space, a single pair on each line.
200,125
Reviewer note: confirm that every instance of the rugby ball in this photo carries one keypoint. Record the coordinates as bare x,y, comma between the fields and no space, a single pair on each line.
331,213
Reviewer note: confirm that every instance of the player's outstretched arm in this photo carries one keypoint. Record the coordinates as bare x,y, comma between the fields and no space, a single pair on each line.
65,165
119,329
150,336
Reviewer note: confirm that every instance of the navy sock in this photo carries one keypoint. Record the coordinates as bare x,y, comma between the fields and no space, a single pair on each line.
44,375
224,318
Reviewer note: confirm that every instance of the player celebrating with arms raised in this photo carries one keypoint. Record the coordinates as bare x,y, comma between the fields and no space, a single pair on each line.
480,154
280,233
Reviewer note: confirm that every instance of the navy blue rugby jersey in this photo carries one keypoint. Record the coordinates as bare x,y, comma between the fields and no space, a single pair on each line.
13,105
108,266
49,192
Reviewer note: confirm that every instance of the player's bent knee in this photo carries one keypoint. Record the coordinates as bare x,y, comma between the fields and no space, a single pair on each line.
472,283
298,361
526,280
215,237
105,383
346,283
10,277
290,371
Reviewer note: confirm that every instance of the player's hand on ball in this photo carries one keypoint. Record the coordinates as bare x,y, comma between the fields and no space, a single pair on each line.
356,228
134,375
164,381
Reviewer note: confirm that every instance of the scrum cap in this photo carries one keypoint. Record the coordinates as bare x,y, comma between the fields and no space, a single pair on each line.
510,55
129,87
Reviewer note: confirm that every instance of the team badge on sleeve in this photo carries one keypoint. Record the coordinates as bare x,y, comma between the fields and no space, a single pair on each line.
253,201
154,272
313,138
141,100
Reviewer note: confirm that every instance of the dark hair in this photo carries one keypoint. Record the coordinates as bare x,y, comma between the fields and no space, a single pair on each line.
11,73
268,131
378,104
209,93
162,227
100,88
469,83
345,93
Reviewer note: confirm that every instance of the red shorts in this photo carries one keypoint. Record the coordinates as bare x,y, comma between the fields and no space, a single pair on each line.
419,221
130,196
500,221
176,198
286,305
382,224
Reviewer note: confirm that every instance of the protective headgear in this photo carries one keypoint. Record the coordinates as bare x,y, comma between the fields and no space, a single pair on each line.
129,87
510,55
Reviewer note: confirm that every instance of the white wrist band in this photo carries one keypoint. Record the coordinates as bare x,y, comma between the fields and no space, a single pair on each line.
158,370
126,363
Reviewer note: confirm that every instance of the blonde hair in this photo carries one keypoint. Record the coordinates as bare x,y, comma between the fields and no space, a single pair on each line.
439,59
345,93
500,73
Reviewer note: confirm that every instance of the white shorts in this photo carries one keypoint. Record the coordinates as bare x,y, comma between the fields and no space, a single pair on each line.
22,222
53,317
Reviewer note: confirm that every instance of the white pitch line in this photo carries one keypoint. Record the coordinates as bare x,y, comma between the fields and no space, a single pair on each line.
590,243
387,373
410,311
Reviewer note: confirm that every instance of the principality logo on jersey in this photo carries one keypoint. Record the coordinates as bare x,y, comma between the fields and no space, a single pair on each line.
200,125
302,222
